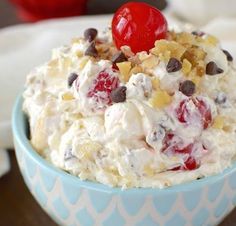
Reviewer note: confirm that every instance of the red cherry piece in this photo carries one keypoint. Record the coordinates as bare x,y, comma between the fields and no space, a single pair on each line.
174,146
102,87
138,25
189,164
200,113
205,112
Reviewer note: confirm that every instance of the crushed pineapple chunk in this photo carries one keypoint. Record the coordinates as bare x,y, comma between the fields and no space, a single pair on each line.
83,62
149,170
156,83
86,149
79,53
67,96
160,99
76,40
53,63
66,63
186,67
136,70
218,122
124,68
211,40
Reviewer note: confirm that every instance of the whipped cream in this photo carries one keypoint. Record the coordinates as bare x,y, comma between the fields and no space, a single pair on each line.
157,136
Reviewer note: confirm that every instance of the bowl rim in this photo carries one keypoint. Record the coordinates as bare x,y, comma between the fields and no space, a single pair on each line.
20,138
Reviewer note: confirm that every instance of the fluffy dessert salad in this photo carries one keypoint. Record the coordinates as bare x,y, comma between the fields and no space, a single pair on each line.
136,106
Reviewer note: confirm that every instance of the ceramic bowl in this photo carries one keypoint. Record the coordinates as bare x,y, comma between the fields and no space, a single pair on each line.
70,201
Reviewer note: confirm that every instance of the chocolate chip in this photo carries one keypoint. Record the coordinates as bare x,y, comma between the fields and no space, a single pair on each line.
118,58
91,50
188,88
221,98
198,33
90,34
71,79
173,65
119,94
213,69
228,55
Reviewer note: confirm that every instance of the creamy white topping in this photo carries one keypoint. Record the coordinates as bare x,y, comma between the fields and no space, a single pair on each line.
123,144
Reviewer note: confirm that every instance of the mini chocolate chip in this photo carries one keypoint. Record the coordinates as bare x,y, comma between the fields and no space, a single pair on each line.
228,55
91,50
188,88
119,94
213,69
118,58
90,34
221,98
71,79
198,33
173,65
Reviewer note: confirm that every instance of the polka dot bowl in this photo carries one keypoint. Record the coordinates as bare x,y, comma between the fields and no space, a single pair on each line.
70,201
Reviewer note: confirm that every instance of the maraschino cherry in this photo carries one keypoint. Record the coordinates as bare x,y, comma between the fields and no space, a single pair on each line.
138,25
199,112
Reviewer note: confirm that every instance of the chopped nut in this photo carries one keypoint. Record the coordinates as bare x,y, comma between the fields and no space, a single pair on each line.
186,67
228,128
165,57
228,124
200,71
150,62
163,47
185,38
160,99
127,51
194,55
171,35
124,69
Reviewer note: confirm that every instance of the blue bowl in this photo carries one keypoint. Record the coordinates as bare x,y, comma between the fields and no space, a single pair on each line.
70,201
